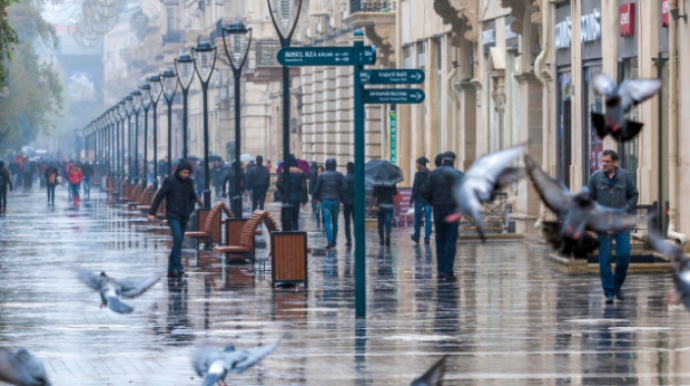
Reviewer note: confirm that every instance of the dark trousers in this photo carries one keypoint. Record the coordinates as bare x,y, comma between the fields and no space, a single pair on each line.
51,193
385,217
178,229
3,197
75,190
446,240
613,281
296,206
349,213
258,199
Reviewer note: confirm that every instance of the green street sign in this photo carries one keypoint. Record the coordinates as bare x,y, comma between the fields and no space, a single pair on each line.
392,77
394,135
325,56
390,96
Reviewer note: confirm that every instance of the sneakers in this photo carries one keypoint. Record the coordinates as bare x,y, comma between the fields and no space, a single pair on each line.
609,300
415,239
330,246
440,276
451,278
620,296
348,243
427,242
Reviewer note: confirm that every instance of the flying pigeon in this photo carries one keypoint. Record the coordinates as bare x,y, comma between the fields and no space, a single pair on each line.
577,214
619,100
214,365
486,176
111,290
22,369
433,376
681,269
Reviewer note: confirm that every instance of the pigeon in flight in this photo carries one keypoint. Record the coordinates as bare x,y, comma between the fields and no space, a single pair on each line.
619,100
577,214
214,365
433,376
486,176
111,290
681,269
22,369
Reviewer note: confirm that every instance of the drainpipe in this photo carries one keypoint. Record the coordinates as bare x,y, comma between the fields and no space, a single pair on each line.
673,127
453,94
538,65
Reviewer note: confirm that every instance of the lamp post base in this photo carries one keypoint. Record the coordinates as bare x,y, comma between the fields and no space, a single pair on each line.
207,199
286,217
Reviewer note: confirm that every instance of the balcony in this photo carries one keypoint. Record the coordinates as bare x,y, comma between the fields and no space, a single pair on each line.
377,18
372,5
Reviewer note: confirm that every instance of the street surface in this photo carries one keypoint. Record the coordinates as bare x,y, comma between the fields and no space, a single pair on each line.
511,319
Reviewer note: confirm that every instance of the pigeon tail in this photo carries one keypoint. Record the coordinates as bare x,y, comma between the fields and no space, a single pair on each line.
599,123
632,129
211,379
116,305
434,376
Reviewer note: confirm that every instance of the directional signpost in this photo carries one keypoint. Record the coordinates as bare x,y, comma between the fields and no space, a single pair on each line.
359,56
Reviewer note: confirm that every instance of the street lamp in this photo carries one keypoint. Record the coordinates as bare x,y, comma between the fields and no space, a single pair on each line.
113,120
239,44
122,111
136,106
282,12
155,90
205,57
169,80
146,104
129,109
184,66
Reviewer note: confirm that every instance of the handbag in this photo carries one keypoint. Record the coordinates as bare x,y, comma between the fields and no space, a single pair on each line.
374,207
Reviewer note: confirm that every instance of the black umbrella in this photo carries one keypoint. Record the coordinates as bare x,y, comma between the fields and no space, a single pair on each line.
382,173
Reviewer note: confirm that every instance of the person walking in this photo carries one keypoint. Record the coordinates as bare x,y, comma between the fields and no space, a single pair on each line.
51,182
421,207
180,199
230,182
348,199
438,191
14,171
5,182
613,187
87,169
200,180
76,175
297,191
328,191
163,168
27,175
258,181
383,196
311,182
217,177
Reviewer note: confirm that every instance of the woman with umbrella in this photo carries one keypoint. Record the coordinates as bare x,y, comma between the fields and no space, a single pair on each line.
296,191
384,176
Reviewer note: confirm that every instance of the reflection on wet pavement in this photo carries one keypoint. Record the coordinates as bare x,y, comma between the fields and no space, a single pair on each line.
509,320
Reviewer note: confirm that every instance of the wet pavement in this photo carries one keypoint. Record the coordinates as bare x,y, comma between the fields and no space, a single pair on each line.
511,319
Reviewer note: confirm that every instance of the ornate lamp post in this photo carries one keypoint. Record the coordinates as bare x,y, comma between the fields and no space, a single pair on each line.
284,17
114,124
169,80
155,90
129,109
184,66
122,111
205,57
136,107
146,104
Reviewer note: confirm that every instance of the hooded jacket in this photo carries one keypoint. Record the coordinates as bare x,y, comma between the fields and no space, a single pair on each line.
438,187
329,184
298,183
348,194
419,178
230,180
311,177
258,178
179,195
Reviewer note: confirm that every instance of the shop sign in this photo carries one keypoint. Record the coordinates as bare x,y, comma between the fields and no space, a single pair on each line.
393,135
563,34
664,13
626,17
590,27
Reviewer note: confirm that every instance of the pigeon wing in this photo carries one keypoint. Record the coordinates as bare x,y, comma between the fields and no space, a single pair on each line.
634,91
510,176
491,166
91,279
132,288
671,251
603,84
434,376
202,359
239,361
603,219
34,367
556,196
115,304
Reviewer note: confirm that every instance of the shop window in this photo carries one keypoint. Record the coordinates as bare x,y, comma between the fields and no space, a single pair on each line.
593,145
629,152
563,149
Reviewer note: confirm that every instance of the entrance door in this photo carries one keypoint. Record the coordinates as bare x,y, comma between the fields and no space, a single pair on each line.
564,154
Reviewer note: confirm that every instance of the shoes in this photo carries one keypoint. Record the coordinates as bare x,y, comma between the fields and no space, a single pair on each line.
427,242
415,239
440,275
620,296
172,275
330,246
450,278
388,239
609,300
348,243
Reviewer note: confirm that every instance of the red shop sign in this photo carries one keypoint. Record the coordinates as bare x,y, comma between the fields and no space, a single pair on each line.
664,13
626,17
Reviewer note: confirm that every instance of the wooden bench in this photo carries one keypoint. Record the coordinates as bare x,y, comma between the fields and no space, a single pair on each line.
141,198
109,185
148,200
289,258
210,224
241,232
130,193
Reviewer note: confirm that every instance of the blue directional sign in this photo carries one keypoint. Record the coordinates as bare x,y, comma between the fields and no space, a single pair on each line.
390,96
326,56
392,77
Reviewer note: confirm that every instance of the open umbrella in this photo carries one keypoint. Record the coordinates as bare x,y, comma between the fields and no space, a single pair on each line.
247,158
382,173
302,164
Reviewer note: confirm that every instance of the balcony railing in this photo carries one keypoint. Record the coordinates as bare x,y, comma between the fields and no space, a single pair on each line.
173,36
267,53
372,5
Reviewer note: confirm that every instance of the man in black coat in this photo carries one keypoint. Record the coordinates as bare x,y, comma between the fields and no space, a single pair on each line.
297,191
421,207
217,177
180,199
258,180
311,184
87,169
348,198
328,190
230,182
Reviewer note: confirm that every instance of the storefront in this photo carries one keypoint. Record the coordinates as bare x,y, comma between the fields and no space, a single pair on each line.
662,66
590,39
628,21
562,43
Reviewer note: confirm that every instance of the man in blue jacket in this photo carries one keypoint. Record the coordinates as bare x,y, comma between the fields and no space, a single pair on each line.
328,190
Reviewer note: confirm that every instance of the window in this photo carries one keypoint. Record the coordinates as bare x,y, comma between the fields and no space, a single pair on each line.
171,19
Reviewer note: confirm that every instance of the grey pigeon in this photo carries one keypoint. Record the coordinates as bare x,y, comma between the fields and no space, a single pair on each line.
214,365
111,290
681,268
433,376
577,214
619,100
486,176
22,369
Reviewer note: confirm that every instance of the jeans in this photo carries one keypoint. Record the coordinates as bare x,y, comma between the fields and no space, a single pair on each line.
3,197
296,206
331,210
178,229
315,208
258,199
51,193
612,282
349,214
446,240
87,185
75,190
385,217
419,209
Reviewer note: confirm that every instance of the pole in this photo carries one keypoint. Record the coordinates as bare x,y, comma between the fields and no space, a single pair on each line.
185,91
360,246
237,199
169,102
136,147
146,146
117,146
207,190
286,215
129,150
155,147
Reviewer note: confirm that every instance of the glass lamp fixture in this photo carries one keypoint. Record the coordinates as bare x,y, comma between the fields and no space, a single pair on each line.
136,101
145,95
155,88
205,56
169,80
185,70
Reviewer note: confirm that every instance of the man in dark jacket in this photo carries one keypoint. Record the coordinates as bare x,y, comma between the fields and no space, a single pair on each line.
297,191
613,187
180,199
421,207
348,198
163,168
258,180
51,182
328,190
311,182
87,169
5,182
200,180
217,177
438,191
230,182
